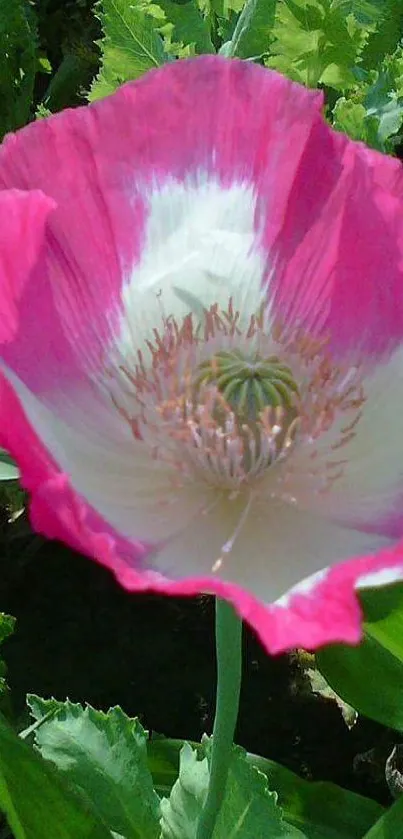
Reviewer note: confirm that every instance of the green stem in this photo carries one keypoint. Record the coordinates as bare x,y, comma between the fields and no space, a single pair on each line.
229,672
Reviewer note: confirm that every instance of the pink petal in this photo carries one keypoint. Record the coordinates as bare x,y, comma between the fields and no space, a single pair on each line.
23,216
250,124
99,164
345,278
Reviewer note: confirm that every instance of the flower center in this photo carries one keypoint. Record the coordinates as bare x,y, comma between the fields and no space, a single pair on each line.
249,384
223,401
252,408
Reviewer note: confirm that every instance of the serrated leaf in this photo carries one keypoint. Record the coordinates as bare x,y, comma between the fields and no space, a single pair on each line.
322,810
387,34
351,117
131,46
373,110
384,98
252,33
248,810
37,802
182,25
18,63
105,754
317,42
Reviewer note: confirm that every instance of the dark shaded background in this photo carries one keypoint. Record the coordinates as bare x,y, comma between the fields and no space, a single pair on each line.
79,635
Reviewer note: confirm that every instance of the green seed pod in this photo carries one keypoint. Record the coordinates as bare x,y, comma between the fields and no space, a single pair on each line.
249,385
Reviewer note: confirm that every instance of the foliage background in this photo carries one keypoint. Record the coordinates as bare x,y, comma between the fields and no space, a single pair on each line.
57,54
77,633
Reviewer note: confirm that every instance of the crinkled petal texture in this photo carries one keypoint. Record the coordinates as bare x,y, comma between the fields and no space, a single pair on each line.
208,183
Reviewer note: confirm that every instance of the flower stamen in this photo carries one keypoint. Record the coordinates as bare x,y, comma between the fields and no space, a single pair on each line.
222,401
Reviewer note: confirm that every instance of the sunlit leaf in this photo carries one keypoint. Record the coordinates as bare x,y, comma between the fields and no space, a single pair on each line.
249,809
321,810
317,42
252,33
131,45
35,799
182,25
387,34
105,754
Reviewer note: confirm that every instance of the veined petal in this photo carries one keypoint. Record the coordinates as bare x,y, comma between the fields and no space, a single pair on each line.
102,163
23,216
254,198
113,472
261,549
344,279
200,248
367,491
323,609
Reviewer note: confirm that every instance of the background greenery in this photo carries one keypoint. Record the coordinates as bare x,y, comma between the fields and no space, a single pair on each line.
56,54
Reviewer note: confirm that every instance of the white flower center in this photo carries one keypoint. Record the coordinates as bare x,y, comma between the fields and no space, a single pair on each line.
223,403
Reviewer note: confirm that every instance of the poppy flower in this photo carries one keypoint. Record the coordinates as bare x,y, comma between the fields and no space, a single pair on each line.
201,344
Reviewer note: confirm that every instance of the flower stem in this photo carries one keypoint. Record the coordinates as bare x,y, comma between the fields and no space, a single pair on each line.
229,672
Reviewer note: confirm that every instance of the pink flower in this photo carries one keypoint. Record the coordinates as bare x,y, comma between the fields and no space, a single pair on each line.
202,344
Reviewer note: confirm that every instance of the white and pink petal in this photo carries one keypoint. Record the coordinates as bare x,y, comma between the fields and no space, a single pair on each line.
253,192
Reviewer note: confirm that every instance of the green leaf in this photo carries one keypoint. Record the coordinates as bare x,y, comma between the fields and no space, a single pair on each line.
390,825
42,112
180,813
318,42
320,686
131,45
370,677
252,33
8,469
7,626
163,761
248,811
352,118
387,35
18,63
321,810
181,25
67,80
249,808
106,756
386,106
36,802
373,111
